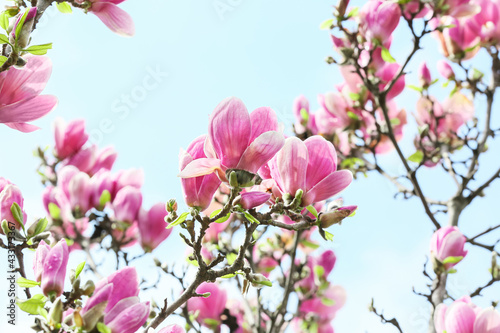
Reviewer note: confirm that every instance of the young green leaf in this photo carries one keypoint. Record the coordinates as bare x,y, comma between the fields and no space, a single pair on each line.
20,24
326,25
215,212
386,55
179,220
64,7
250,218
32,305
223,219
101,327
25,283
4,20
40,226
312,210
416,157
54,211
4,39
79,269
105,198
39,49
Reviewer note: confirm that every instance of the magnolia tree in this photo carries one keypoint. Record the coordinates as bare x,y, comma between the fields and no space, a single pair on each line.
258,203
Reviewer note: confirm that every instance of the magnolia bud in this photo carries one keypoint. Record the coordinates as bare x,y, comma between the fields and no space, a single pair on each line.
56,313
171,206
21,31
88,288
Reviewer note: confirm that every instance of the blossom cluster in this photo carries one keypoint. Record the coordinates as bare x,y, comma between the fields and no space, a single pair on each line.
83,189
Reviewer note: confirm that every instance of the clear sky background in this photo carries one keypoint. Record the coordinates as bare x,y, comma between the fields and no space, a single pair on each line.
266,53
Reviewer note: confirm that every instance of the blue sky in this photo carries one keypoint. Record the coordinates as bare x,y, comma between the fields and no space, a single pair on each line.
185,58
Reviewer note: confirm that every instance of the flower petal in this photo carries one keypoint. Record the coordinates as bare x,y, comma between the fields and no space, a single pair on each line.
263,120
27,110
331,185
115,18
291,163
229,131
322,160
200,167
260,151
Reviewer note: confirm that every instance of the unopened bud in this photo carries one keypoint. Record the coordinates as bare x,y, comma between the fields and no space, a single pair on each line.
171,206
56,313
88,288
21,30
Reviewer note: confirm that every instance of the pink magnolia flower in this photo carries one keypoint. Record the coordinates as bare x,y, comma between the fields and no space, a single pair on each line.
326,260
210,308
378,19
301,113
127,203
41,253
460,8
454,113
386,74
461,40
152,227
84,159
198,191
105,159
448,242
69,138
22,39
127,316
326,311
237,140
124,284
462,316
9,195
54,268
445,70
486,21
115,18
415,8
424,75
79,192
310,166
332,115
253,199
20,99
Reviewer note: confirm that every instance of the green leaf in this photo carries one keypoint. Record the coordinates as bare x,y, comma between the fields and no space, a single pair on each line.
2,59
354,96
326,24
327,301
215,212
54,211
4,39
250,218
227,276
223,219
105,198
328,235
386,55
395,121
32,305
25,283
79,269
21,23
304,114
39,49
312,210
231,258
17,213
352,115
416,88
265,283
353,12
42,312
452,271
452,260
65,8
40,226
4,20
319,271
101,327
211,322
179,220
416,157
309,244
